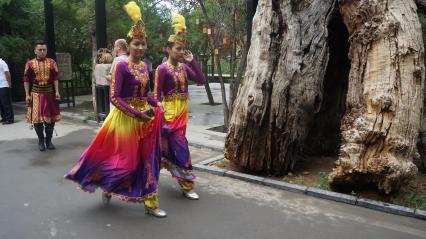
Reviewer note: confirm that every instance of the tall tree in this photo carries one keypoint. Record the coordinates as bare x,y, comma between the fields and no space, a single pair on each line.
282,87
291,60
21,22
385,94
50,29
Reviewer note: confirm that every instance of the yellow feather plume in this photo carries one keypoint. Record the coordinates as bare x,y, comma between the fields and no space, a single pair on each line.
134,11
178,23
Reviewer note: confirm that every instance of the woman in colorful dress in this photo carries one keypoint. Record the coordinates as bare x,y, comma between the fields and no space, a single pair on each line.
124,158
171,85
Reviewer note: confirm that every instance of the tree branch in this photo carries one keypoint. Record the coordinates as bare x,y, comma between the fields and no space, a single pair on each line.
204,10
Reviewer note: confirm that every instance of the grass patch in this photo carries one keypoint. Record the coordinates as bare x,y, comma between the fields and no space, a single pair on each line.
315,174
323,181
413,198
91,116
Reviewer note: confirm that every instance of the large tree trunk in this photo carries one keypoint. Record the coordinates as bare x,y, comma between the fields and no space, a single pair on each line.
294,89
385,94
282,90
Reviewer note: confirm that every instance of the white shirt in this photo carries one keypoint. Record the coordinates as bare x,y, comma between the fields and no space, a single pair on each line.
119,58
116,60
3,69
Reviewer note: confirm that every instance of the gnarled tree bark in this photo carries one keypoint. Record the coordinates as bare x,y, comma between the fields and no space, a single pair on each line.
385,94
282,89
288,89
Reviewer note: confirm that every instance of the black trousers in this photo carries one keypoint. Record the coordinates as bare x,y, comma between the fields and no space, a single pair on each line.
6,105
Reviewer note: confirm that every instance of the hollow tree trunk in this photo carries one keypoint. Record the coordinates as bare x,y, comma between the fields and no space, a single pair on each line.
421,5
385,94
282,89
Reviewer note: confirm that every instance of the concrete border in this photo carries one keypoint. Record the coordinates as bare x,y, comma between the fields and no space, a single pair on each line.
311,191
201,145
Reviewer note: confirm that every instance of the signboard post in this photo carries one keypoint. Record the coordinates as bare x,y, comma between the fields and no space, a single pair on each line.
63,60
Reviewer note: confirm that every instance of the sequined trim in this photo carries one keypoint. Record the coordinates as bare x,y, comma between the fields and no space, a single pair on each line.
139,76
48,88
140,72
156,96
137,103
187,186
114,98
176,96
115,195
167,164
41,71
179,76
33,114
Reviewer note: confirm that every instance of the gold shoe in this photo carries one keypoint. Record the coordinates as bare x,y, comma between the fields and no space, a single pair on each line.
157,212
190,195
106,198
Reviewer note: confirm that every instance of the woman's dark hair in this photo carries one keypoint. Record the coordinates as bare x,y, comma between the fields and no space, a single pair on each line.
170,44
38,42
128,40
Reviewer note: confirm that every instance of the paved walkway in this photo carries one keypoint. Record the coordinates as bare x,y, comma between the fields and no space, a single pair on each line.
37,203
202,115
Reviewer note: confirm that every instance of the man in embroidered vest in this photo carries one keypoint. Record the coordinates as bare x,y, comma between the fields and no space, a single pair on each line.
41,82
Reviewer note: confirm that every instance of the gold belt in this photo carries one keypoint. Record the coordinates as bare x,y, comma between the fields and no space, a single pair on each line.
175,96
42,88
138,104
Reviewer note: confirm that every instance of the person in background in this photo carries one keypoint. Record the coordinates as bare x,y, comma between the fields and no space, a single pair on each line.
171,86
121,49
41,83
124,157
6,108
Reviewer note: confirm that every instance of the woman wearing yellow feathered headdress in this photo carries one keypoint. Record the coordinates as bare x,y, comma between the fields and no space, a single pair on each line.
171,86
124,158
179,28
137,31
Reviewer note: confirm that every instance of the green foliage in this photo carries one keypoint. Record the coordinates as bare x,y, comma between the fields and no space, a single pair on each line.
301,179
323,181
73,21
91,116
219,13
22,22
19,26
415,198
157,23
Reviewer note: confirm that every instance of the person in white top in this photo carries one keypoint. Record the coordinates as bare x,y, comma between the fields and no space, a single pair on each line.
120,47
6,109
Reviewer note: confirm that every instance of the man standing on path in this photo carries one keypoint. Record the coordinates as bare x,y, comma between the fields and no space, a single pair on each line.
120,47
41,82
6,109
